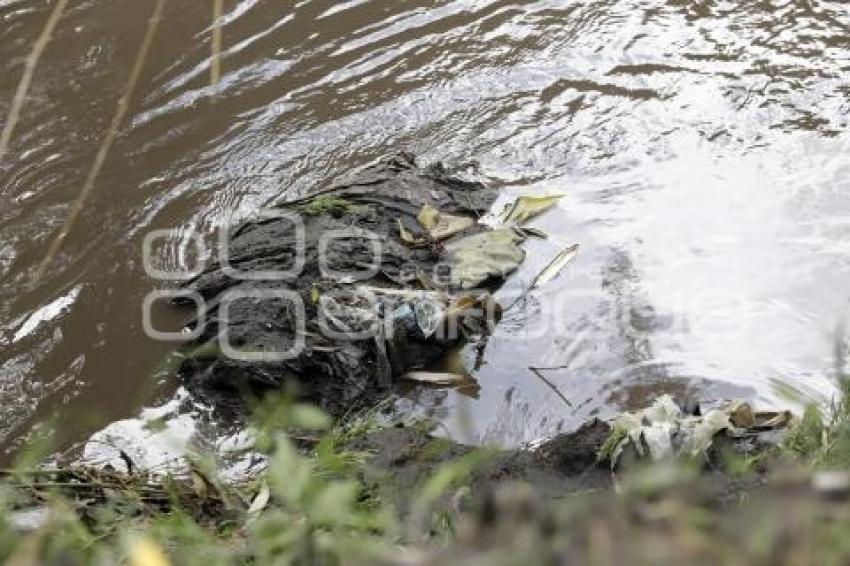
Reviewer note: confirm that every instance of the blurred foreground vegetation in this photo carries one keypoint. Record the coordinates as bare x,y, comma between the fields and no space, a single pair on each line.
314,505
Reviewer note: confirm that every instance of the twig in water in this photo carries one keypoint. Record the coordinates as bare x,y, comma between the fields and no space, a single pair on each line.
29,69
106,144
215,63
552,386
552,368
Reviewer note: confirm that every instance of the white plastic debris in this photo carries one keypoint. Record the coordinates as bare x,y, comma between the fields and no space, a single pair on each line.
662,431
832,483
162,441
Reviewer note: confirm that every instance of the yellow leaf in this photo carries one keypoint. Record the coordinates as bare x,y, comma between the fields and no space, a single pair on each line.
428,216
407,237
442,226
528,207
145,552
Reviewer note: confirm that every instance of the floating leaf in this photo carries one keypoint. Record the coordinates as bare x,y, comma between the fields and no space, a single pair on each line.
555,266
441,379
476,258
527,207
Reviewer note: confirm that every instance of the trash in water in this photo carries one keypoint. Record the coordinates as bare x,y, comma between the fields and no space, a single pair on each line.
527,207
429,313
337,348
743,416
472,316
833,484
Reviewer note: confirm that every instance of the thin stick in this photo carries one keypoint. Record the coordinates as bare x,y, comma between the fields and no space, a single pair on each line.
551,385
103,152
215,64
29,70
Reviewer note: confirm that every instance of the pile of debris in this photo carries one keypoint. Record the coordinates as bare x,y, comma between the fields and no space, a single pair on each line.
663,431
361,285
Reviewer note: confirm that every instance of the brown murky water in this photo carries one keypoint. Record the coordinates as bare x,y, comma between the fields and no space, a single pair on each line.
703,147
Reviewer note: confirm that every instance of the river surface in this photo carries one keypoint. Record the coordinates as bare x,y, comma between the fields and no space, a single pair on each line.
702,147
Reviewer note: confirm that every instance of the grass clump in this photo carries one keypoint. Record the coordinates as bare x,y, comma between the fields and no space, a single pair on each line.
606,451
805,439
327,204
312,505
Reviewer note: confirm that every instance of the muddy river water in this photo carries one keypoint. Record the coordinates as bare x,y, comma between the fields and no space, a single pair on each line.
703,147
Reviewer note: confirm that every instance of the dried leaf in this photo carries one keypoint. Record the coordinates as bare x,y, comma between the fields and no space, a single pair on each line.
441,226
200,485
260,501
741,415
528,232
476,258
770,420
441,379
407,237
555,266
527,207
464,302
428,216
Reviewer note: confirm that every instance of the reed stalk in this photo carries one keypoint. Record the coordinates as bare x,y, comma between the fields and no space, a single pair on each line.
29,70
215,63
106,144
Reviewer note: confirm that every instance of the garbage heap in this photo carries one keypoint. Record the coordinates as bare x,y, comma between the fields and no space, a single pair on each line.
343,293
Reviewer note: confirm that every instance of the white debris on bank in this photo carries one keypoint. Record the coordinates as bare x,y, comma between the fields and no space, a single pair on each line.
662,431
164,439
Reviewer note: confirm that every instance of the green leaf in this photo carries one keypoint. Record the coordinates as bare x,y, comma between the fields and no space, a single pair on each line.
334,504
451,474
310,418
289,473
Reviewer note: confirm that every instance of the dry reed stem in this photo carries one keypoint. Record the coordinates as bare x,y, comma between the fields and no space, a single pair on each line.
106,144
29,70
215,63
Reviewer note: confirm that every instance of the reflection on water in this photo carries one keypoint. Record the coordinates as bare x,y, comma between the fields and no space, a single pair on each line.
703,146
